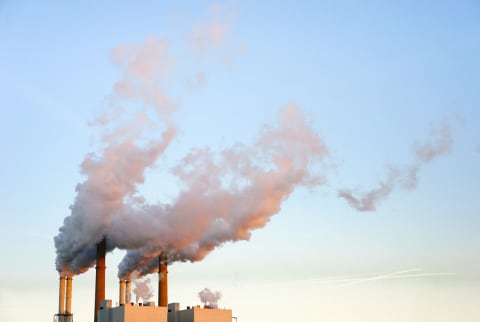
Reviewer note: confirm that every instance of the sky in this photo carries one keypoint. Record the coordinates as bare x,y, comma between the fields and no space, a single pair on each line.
389,233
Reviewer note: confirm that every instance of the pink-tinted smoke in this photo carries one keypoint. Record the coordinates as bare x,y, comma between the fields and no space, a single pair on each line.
225,195
132,140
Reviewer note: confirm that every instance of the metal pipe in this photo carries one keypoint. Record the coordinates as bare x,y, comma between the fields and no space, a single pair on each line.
61,295
162,283
122,292
69,296
100,276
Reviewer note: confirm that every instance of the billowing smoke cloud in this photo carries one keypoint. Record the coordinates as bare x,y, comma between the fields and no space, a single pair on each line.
142,290
209,298
133,139
224,195
425,152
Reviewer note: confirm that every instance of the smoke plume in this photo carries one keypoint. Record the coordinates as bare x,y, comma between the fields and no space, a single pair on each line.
133,138
224,196
439,144
368,200
142,290
209,298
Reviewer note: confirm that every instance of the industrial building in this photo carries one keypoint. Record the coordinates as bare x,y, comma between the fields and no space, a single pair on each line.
127,311
148,312
197,314
131,313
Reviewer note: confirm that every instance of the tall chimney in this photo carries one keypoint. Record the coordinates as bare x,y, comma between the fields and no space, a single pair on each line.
100,276
162,282
61,295
69,295
122,292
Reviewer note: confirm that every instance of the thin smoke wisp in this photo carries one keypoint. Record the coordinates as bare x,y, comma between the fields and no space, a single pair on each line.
439,144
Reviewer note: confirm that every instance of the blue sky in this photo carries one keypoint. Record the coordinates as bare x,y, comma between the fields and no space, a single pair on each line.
375,78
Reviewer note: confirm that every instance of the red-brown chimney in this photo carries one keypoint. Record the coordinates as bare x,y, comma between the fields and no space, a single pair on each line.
100,276
68,299
122,292
61,295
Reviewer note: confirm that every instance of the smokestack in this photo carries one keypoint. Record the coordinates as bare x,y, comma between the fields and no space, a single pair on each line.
122,292
69,296
162,283
128,286
61,296
100,276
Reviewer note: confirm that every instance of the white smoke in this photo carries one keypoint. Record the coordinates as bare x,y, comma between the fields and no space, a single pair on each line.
133,139
209,298
142,290
224,195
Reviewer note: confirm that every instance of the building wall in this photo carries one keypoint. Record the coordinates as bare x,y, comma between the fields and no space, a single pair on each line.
152,313
185,316
197,314
145,314
212,315
173,309
116,314
130,313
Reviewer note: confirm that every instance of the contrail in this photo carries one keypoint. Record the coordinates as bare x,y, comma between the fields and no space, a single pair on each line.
390,276
342,281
